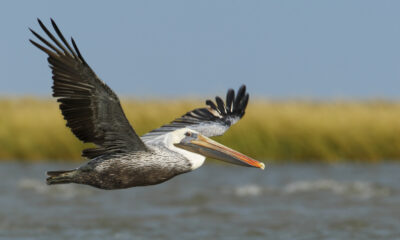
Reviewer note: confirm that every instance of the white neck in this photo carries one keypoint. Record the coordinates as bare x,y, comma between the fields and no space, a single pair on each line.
195,159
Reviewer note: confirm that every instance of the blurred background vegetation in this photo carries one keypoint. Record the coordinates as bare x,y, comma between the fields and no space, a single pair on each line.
32,129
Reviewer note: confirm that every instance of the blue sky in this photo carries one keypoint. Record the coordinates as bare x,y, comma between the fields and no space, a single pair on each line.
280,49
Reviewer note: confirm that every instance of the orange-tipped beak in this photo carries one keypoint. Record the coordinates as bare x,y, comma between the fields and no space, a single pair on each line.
209,148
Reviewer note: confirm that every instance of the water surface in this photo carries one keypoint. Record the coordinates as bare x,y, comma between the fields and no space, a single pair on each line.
214,202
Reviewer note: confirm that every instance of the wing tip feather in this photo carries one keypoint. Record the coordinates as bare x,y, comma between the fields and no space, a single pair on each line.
218,113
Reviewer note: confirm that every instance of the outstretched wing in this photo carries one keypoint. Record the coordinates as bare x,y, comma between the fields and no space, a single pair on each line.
211,121
91,108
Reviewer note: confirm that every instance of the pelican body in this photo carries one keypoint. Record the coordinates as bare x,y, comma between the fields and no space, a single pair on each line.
122,159
140,168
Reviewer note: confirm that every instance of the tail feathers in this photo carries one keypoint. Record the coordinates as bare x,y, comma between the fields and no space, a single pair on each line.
60,177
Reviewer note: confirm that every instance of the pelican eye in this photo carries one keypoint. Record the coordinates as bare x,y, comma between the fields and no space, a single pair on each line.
188,134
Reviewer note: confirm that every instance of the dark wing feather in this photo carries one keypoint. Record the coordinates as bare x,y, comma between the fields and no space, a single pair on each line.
230,96
213,120
91,108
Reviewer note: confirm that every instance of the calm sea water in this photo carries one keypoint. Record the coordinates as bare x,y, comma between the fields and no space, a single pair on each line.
214,202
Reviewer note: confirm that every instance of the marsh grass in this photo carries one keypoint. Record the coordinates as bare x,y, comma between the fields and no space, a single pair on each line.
33,129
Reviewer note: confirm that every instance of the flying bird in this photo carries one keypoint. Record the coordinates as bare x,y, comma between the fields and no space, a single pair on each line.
122,159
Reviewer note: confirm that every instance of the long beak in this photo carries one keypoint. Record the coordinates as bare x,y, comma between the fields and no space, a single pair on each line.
209,148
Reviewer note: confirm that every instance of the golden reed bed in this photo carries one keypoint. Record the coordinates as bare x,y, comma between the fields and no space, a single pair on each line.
33,129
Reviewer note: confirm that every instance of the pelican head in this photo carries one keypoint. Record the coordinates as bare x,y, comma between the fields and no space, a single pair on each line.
191,141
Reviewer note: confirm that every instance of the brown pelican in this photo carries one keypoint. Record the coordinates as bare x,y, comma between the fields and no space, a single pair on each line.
122,159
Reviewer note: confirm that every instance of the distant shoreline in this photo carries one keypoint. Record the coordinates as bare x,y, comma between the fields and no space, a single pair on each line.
33,129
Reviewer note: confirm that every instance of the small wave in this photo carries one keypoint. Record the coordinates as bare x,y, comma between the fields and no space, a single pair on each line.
63,191
248,190
360,189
